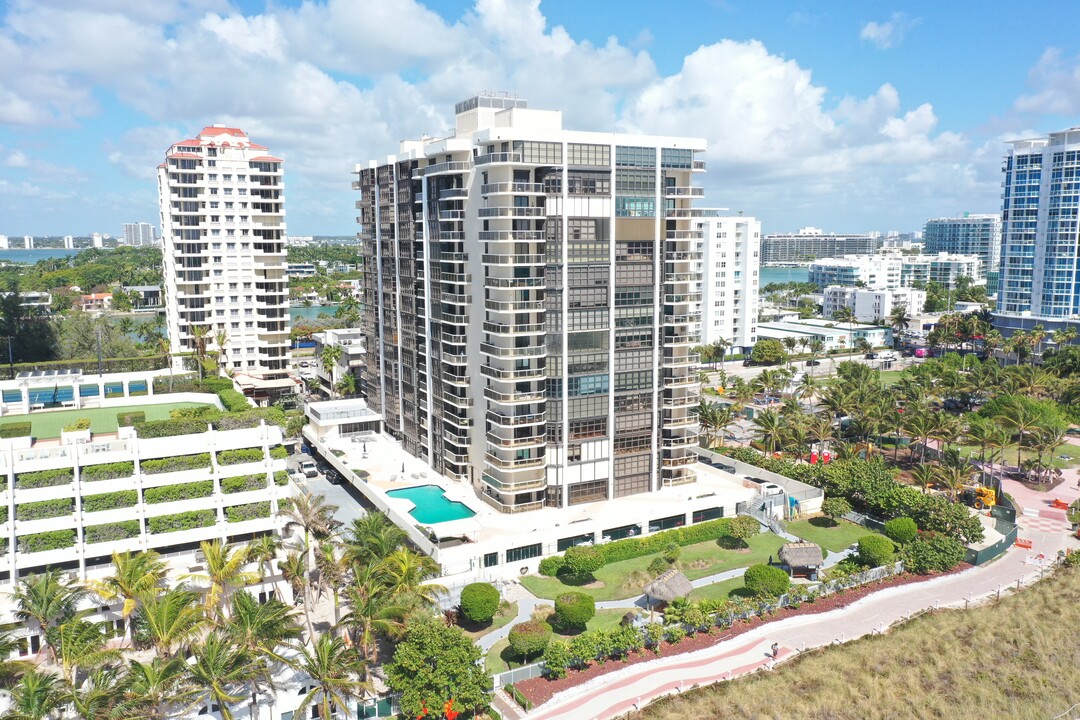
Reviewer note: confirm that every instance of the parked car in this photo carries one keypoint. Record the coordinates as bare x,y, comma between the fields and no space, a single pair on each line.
747,363
812,363
871,356
922,353
333,476
307,467
908,353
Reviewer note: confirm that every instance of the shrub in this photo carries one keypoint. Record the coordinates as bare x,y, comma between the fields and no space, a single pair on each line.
242,483
181,521
281,477
78,425
675,634
131,418
233,400
112,531
3,513
479,601
766,581
52,540
658,565
932,552
176,464
172,493
573,610
169,428
235,457
901,530
520,699
15,430
671,553
45,509
44,478
529,638
557,656
637,547
551,566
582,561
744,527
249,511
876,550
107,471
835,507
278,452
110,501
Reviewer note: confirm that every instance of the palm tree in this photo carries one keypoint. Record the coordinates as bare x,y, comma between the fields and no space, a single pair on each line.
919,426
199,338
219,669
899,320
158,687
790,344
329,358
371,538
165,348
770,429
48,599
134,575
314,515
954,477
37,696
170,620
333,670
845,314
332,572
806,388
10,670
80,644
221,339
924,475
262,629
102,696
346,386
294,570
1019,418
264,550
224,572
371,613
1035,337
404,572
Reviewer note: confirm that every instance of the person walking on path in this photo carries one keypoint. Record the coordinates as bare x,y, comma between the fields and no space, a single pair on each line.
775,650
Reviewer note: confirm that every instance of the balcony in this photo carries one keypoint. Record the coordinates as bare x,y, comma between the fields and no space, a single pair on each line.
515,307
684,191
516,420
516,464
511,235
513,259
499,157
443,167
515,329
532,441
512,352
512,188
512,212
512,375
511,509
514,398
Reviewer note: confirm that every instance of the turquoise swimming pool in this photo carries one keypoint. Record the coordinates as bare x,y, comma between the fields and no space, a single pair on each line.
431,504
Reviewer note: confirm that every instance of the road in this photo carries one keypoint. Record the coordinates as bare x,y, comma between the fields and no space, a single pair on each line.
735,368
350,503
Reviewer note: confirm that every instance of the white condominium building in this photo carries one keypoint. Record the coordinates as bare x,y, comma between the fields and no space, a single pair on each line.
978,235
872,305
811,243
140,234
223,226
872,271
532,297
729,290
942,268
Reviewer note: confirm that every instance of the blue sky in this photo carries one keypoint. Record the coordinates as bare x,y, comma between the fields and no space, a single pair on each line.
843,115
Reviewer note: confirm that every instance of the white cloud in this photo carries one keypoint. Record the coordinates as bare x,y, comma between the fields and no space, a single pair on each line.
1055,83
17,159
888,34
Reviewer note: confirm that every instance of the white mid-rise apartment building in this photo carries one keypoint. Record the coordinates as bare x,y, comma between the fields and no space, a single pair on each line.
944,269
882,271
811,243
140,234
872,305
729,289
532,297
223,227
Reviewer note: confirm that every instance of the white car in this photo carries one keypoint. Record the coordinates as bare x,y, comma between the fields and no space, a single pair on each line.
308,469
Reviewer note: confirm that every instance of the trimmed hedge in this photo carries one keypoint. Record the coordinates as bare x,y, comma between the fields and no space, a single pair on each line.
181,521
184,491
170,428
278,452
250,511
876,550
130,419
767,580
233,400
235,457
281,477
45,509
573,610
528,639
107,471
44,478
479,602
242,483
3,513
690,535
111,532
901,530
15,430
42,542
176,464
110,501
551,566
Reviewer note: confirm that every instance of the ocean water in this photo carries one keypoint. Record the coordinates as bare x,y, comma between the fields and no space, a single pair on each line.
21,255
310,313
782,274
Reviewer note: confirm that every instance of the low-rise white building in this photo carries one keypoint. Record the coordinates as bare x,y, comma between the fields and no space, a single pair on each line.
834,335
729,288
872,305
350,361
942,268
872,271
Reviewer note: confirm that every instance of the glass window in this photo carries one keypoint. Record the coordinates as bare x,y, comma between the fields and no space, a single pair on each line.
635,156
581,154
523,553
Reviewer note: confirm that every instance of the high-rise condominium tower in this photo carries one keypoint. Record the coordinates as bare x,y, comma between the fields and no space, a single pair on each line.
730,283
978,235
223,229
139,234
1040,262
532,297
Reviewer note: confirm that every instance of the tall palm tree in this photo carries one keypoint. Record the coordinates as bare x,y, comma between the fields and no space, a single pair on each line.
200,338
899,320
405,571
169,621
264,550
371,538
329,358
332,572
165,348
333,669
924,475
262,629
920,426
806,388
346,385
790,344
769,429
314,515
101,696
371,613
134,575
159,687
1019,418
224,573
37,696
1036,336
221,339
219,669
953,477
80,644
48,599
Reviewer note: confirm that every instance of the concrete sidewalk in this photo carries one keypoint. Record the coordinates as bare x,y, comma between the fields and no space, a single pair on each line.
638,685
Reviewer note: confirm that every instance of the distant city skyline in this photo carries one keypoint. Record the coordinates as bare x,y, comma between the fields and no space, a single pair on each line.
846,117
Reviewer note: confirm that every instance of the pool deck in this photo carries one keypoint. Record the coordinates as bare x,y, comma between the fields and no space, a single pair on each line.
408,504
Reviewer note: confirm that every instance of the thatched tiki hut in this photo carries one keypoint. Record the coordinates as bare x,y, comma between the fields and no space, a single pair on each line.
803,558
667,586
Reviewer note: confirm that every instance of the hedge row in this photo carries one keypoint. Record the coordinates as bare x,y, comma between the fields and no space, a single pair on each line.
184,491
250,511
176,464
110,501
170,428
281,477
45,509
242,483
44,478
15,430
3,513
278,452
235,457
130,419
637,547
181,521
107,471
112,531
233,400
52,540
871,487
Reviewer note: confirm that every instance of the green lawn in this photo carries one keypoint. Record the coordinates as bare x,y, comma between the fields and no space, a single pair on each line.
625,579
506,613
499,659
717,591
49,423
1065,457
830,536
